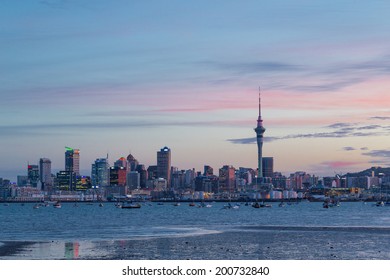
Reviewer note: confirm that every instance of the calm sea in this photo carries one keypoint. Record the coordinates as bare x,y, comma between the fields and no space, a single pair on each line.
90,222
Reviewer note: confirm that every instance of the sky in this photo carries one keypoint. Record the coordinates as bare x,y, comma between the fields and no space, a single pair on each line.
120,77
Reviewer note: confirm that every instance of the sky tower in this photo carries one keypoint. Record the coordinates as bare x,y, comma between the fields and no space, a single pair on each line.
259,136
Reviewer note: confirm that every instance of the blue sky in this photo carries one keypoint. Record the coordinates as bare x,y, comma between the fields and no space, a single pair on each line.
133,76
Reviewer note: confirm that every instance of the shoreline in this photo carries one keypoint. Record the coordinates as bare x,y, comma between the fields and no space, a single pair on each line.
254,244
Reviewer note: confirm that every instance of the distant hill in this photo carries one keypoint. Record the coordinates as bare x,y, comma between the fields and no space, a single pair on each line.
368,172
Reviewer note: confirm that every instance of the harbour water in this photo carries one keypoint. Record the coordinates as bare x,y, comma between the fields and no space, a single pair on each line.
298,231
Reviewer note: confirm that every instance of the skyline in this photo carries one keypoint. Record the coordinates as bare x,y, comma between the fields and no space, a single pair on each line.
132,77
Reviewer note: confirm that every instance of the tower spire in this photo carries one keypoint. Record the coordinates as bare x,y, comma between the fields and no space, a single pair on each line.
259,120
259,136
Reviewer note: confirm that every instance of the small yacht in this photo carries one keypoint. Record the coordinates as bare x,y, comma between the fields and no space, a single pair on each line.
57,205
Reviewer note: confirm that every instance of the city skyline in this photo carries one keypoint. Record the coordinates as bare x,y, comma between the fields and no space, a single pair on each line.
132,77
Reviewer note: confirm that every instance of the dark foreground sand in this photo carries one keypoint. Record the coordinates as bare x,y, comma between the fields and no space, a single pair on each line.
246,243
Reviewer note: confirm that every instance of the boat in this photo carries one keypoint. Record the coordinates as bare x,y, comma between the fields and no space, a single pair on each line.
118,205
36,206
101,204
256,205
191,204
57,205
176,204
261,205
380,204
282,204
130,205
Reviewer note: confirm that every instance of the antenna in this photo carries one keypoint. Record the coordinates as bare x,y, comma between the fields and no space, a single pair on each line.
259,102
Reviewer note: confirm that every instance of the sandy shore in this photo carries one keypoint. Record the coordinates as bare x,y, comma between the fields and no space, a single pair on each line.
248,243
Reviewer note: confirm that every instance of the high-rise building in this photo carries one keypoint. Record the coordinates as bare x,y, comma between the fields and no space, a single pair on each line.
118,176
268,167
100,172
133,180
143,174
208,170
164,164
121,162
227,179
66,180
72,160
33,174
132,163
21,181
259,136
45,173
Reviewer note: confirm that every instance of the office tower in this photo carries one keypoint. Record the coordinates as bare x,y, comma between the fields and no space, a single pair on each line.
100,172
72,160
164,164
143,173
121,162
227,179
208,170
133,180
152,172
33,175
118,176
21,181
66,180
259,136
268,167
132,162
45,173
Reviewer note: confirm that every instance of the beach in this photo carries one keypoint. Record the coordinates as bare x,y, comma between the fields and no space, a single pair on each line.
245,243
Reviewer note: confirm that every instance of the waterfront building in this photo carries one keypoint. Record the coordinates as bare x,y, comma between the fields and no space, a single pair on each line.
259,137
100,172
33,174
164,164
72,160
45,173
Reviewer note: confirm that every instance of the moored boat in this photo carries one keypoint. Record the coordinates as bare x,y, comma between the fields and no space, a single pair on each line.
130,205
57,205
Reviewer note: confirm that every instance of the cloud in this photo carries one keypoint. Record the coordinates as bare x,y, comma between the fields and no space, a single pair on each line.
340,125
251,140
364,148
340,130
349,149
380,118
378,153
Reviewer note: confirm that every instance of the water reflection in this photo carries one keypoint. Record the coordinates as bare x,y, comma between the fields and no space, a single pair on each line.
72,250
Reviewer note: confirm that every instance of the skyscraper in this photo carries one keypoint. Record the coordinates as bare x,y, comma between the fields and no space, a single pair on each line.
72,160
45,173
164,164
132,162
33,175
100,173
268,167
259,136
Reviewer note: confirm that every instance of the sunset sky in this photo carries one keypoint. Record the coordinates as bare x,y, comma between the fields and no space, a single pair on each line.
122,77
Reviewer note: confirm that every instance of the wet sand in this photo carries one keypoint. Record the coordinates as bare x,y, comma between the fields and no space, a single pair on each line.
249,243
